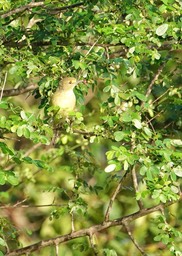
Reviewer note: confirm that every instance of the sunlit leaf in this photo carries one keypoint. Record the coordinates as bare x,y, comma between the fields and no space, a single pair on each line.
161,30
110,168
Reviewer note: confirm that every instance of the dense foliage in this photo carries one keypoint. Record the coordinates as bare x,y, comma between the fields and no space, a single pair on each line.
112,180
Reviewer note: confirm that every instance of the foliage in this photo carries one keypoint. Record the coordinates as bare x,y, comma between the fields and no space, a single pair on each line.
118,153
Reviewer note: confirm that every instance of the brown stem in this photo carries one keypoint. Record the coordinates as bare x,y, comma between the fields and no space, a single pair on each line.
37,4
22,9
16,92
135,184
149,89
125,224
118,188
87,231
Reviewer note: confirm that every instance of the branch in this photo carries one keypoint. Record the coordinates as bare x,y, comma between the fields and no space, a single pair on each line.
57,10
87,231
15,92
154,79
19,205
22,9
117,190
125,224
4,83
135,185
149,89
37,4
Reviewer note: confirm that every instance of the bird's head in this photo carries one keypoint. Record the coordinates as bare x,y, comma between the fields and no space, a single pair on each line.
69,83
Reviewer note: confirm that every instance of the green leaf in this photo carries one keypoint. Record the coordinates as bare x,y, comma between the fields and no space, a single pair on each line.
141,97
4,105
110,168
20,131
2,178
163,198
147,131
126,165
5,149
126,117
2,254
178,171
161,30
118,136
137,123
11,178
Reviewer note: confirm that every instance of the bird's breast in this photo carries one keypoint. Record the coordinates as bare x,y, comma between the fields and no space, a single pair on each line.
65,100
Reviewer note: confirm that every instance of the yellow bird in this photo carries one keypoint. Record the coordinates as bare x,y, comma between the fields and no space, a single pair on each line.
64,97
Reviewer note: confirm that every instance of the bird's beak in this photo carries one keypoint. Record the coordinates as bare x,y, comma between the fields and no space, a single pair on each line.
79,81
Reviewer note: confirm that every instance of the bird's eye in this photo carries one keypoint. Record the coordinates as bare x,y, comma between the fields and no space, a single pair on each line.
70,82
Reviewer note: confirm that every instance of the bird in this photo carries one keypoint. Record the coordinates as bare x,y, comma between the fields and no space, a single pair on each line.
64,96
65,99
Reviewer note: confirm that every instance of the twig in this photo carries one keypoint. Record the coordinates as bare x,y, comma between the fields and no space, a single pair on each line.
108,210
57,249
125,224
149,89
37,4
87,231
161,96
72,222
22,9
16,92
93,244
57,10
32,149
135,184
4,83
92,46
31,206
158,114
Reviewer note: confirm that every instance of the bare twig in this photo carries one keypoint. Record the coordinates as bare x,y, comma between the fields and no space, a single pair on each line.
93,244
22,9
149,89
57,10
160,96
4,83
92,46
125,224
117,190
57,249
17,205
87,231
135,184
15,92
38,4
72,222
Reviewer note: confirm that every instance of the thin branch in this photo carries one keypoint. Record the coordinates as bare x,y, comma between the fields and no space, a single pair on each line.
57,10
57,249
125,224
117,190
93,244
38,4
72,222
87,231
4,83
31,206
135,184
158,114
161,96
154,79
16,92
22,9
